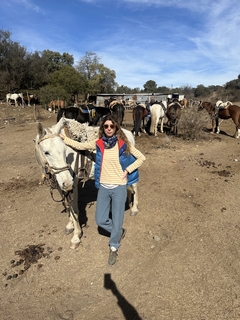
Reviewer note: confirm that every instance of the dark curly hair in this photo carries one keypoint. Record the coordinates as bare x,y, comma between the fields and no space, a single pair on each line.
119,132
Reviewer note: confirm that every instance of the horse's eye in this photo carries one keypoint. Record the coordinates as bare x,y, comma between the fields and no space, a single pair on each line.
46,153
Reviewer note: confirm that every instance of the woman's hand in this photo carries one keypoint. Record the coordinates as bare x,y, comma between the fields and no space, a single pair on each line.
125,173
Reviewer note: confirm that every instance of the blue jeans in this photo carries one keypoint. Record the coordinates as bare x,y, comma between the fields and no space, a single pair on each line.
112,225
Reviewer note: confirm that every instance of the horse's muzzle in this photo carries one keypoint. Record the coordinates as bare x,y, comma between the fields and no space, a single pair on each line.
67,188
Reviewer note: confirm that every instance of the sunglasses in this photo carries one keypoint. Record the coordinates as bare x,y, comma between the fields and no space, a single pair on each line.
106,126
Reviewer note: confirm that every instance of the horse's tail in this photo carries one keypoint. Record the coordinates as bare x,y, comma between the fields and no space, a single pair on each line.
137,121
153,120
118,112
121,110
60,113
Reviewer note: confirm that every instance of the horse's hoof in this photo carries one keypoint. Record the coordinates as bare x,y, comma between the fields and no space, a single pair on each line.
68,231
133,213
75,245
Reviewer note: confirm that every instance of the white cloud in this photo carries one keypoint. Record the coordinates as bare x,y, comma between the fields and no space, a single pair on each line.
30,5
171,42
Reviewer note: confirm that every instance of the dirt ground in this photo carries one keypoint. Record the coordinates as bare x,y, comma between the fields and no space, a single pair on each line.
180,259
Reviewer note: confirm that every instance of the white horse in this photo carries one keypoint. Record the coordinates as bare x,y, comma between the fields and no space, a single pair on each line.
60,162
158,111
15,97
52,155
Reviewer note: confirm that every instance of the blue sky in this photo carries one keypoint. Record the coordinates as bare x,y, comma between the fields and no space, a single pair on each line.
173,42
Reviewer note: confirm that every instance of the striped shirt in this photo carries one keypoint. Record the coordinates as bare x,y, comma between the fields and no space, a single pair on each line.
112,172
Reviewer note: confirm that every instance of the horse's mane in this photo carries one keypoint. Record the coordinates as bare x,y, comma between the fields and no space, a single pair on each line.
81,132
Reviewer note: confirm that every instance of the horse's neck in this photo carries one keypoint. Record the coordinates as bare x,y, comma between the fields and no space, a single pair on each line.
164,105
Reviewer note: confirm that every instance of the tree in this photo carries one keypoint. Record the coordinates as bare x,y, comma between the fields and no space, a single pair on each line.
136,90
186,90
123,89
233,84
150,86
48,93
70,79
163,90
201,91
12,62
100,79
88,64
36,74
55,60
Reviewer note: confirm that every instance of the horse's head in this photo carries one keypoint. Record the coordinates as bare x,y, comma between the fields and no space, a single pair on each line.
50,151
106,103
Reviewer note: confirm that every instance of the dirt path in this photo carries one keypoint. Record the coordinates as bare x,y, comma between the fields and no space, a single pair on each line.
179,260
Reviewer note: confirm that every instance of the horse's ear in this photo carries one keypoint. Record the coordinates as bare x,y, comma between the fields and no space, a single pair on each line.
40,129
59,125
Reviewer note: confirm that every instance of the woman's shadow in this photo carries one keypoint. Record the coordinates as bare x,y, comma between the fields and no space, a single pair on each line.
87,195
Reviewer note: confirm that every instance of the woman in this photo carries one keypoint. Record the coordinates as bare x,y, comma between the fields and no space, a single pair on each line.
117,163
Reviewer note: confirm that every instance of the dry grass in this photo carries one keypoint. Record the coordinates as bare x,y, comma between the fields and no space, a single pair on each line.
192,123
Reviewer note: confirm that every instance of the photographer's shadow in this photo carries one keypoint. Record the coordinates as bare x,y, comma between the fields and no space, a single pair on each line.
129,312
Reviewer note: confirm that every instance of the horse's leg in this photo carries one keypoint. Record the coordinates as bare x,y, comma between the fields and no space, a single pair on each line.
237,123
213,126
43,178
237,133
143,124
73,223
133,194
77,233
218,122
134,123
139,129
218,127
161,125
176,127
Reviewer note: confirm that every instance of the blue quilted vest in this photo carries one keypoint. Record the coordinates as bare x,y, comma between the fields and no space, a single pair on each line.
125,161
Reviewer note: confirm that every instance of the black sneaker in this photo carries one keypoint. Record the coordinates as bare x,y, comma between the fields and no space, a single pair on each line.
112,257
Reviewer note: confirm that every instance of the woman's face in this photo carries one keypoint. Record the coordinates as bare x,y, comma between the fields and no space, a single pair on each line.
109,128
